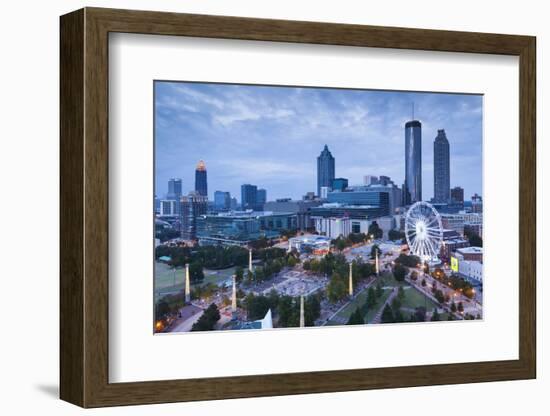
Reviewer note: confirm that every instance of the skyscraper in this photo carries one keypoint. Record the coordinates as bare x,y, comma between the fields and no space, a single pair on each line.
249,195
339,184
222,200
261,198
201,186
442,169
174,189
325,170
413,161
191,207
457,195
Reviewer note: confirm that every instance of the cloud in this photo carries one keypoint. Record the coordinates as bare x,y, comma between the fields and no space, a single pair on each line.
273,135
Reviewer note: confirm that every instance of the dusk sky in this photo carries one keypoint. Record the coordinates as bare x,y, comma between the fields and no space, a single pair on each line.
271,136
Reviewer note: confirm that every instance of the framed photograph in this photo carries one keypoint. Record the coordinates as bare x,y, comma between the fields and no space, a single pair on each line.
255,207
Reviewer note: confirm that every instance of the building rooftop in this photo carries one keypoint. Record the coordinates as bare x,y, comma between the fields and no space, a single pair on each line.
470,250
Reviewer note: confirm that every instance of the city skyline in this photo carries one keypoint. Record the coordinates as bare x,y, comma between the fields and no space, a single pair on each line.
271,136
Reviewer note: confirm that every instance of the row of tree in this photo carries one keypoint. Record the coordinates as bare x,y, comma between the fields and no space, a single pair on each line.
286,308
208,319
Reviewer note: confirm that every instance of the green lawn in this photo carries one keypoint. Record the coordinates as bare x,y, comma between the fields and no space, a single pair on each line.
414,299
217,276
358,301
170,280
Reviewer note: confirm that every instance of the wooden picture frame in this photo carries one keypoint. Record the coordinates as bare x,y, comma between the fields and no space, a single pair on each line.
84,207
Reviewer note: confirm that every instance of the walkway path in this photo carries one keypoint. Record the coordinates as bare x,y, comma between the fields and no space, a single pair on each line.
378,317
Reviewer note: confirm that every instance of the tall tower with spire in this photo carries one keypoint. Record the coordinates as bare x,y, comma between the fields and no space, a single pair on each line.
201,184
325,170
442,169
413,162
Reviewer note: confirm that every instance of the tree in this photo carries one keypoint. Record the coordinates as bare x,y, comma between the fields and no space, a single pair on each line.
196,274
439,296
387,315
375,249
398,316
239,274
336,289
356,318
401,293
453,307
208,319
162,310
371,297
408,261
396,235
473,237
399,272
375,230
436,316
256,306
420,314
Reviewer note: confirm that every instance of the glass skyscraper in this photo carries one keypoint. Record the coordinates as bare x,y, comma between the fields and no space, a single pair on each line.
325,170
249,195
413,162
442,171
174,189
201,186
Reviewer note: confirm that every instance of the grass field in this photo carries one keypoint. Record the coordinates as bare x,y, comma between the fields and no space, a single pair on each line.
345,313
414,299
169,280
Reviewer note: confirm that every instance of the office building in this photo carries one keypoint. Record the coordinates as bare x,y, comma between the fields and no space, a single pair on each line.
249,196
413,162
325,170
470,253
261,198
442,168
472,271
333,227
477,203
242,227
453,222
174,189
222,200
457,195
315,244
370,180
300,208
191,206
201,182
338,210
168,208
451,242
374,195
339,184
309,196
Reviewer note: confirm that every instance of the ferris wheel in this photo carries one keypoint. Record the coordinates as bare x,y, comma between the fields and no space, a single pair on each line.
424,231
